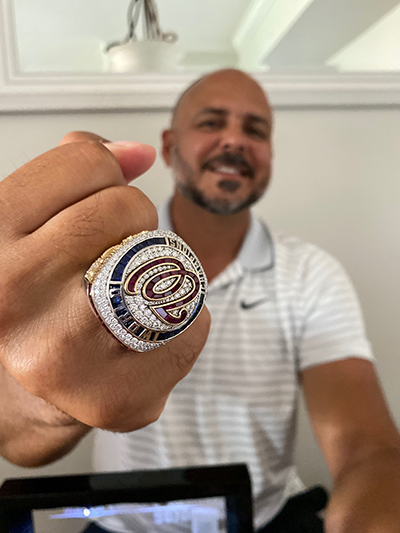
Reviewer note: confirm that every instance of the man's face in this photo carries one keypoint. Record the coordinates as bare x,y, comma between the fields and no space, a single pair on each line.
220,145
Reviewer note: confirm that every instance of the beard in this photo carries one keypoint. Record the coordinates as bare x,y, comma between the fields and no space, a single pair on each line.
218,206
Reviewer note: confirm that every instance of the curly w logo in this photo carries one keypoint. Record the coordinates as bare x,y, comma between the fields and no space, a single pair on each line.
166,286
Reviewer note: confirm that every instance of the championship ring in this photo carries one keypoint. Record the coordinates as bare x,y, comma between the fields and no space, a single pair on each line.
148,289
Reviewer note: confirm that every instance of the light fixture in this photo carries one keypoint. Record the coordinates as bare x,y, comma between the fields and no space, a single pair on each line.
154,52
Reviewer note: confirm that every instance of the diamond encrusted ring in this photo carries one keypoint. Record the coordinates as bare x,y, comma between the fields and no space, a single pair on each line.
148,289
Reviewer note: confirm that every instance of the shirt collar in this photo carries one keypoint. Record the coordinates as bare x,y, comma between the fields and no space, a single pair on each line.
164,218
256,252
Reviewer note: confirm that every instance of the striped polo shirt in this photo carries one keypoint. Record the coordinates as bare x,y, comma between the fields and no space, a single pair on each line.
281,306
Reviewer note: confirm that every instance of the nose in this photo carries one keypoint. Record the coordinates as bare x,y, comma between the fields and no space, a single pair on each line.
233,139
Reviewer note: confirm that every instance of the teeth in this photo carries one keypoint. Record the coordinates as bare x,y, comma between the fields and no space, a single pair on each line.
228,170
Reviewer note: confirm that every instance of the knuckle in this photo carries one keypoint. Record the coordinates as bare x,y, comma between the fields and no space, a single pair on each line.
184,351
122,407
77,136
27,372
143,207
182,358
116,418
98,156
133,207
104,415
147,418
10,305
6,296
38,363
93,160
85,222
99,418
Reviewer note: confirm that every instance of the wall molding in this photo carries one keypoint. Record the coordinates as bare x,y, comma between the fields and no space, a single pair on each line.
111,93
39,93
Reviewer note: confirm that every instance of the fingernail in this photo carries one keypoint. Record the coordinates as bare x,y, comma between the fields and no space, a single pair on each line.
127,144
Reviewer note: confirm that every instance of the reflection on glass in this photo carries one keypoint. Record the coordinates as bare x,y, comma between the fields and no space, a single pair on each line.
189,516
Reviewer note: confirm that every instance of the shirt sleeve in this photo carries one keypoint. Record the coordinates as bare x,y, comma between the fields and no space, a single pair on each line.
332,326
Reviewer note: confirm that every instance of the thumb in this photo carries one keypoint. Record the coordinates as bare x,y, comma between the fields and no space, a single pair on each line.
134,158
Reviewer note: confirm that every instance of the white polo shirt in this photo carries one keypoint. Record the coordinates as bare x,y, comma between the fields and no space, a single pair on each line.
281,306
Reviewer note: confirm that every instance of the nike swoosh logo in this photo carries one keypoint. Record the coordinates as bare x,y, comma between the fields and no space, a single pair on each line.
250,305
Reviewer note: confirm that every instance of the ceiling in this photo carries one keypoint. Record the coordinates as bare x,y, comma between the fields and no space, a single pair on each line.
277,35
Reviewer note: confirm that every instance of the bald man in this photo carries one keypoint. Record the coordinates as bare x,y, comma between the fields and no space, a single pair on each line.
283,313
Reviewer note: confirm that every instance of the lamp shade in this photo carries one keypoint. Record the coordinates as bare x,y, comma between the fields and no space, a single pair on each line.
144,56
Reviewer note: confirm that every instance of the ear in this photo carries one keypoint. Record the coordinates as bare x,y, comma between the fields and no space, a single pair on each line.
167,144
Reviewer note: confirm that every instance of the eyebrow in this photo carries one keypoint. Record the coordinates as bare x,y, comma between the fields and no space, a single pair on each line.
214,110
224,112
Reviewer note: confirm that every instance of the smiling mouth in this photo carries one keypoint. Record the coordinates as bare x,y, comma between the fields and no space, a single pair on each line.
232,170
232,164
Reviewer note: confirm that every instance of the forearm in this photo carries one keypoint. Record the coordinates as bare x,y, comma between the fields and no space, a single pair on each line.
32,432
361,444
366,495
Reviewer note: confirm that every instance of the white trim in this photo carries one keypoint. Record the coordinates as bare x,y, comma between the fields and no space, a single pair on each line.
9,50
111,92
44,93
255,13
263,26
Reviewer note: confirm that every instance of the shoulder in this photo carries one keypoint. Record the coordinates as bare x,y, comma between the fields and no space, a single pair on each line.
302,268
295,253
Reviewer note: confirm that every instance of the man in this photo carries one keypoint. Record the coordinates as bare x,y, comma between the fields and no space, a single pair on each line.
282,311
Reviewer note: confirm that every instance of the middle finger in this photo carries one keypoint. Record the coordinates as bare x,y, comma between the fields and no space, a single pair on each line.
80,234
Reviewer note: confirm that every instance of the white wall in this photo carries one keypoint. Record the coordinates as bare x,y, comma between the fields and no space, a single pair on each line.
335,183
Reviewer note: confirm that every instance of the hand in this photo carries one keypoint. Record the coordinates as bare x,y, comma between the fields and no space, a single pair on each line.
58,213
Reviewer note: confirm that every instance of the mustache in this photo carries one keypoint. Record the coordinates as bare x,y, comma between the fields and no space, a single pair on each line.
230,159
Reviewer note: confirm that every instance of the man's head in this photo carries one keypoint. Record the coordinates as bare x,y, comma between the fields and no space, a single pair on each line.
219,143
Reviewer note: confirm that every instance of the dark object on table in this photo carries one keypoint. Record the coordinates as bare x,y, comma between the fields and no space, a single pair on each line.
88,495
300,513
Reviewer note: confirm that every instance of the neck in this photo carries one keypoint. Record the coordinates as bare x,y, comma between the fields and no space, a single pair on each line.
215,239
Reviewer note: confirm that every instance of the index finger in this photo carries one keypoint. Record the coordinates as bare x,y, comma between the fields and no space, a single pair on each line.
64,176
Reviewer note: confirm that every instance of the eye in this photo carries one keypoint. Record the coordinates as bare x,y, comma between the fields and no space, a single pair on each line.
256,132
210,124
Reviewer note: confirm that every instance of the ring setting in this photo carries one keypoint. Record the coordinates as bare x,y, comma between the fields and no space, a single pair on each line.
148,289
